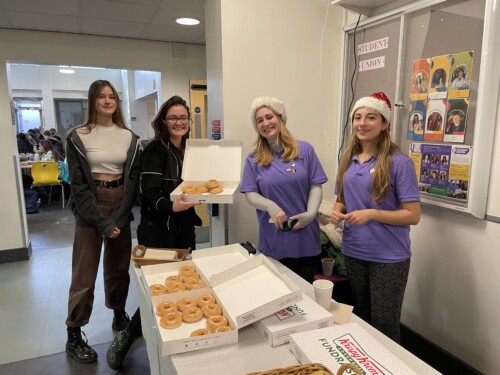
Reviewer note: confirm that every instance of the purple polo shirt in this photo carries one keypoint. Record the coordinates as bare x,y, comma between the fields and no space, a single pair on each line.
375,241
286,184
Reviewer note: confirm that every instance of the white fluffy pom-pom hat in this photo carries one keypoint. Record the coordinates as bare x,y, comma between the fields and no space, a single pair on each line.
270,102
377,101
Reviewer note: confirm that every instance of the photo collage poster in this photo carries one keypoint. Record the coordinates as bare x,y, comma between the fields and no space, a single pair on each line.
438,109
441,86
442,170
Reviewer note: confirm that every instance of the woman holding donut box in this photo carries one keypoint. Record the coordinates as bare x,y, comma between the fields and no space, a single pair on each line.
164,223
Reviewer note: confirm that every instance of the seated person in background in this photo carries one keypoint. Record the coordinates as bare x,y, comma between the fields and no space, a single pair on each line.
24,144
49,153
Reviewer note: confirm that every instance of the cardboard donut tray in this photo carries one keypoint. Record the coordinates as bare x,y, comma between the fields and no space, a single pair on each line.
248,288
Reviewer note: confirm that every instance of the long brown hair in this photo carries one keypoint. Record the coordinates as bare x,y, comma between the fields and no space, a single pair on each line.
381,184
48,146
94,91
262,151
159,126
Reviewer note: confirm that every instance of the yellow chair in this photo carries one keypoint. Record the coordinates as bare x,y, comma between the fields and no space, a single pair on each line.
46,173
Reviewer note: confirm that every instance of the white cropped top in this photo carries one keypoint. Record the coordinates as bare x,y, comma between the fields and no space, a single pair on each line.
106,147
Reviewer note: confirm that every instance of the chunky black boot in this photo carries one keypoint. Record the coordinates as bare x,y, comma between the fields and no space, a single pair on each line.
79,348
120,320
119,349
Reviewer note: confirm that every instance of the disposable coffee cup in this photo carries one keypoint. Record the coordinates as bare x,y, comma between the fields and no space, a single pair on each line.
323,292
327,266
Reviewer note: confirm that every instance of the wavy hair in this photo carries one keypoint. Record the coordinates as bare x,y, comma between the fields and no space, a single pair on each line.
263,150
159,122
381,184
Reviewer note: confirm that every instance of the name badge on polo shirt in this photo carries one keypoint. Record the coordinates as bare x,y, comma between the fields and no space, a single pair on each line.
372,171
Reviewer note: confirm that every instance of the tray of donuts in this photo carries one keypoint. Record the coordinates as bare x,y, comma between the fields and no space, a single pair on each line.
172,278
144,256
211,170
192,320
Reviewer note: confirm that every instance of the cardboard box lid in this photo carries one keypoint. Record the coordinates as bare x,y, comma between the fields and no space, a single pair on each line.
206,159
216,259
254,289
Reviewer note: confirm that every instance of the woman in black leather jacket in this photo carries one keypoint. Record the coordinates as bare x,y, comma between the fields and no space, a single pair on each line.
164,223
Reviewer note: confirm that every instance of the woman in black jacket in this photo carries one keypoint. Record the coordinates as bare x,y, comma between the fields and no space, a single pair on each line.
164,223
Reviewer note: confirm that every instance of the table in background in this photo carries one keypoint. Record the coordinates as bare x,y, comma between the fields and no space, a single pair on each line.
251,353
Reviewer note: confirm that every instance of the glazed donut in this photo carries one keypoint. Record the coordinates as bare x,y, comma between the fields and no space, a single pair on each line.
184,303
192,314
223,329
215,322
199,332
186,269
194,284
171,320
166,307
189,276
211,309
200,189
157,289
176,287
188,189
173,279
205,300
212,183
217,190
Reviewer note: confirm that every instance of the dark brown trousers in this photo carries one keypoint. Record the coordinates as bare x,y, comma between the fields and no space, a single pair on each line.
87,248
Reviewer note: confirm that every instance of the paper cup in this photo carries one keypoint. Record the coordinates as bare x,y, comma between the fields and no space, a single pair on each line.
323,292
327,266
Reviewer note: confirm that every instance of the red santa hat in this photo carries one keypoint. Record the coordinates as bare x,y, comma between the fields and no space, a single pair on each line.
377,101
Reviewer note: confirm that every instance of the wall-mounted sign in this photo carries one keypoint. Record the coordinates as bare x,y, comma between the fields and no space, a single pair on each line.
375,63
375,45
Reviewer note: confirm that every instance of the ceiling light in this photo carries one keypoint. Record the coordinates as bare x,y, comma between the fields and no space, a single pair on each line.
66,71
187,21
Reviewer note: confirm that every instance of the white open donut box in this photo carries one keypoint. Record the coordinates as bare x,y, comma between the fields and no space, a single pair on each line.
247,287
205,160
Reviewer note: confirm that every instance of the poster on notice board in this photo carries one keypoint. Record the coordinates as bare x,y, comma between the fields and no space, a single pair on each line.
442,170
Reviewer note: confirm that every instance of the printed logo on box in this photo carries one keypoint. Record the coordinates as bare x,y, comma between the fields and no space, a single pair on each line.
290,312
346,349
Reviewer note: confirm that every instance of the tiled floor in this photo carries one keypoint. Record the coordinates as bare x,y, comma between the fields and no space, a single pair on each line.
34,293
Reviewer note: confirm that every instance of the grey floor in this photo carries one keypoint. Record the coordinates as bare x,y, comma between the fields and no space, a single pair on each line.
33,305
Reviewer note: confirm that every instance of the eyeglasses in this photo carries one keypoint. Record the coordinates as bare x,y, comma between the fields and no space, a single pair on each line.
174,119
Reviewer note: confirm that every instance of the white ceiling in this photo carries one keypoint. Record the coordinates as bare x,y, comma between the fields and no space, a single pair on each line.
139,19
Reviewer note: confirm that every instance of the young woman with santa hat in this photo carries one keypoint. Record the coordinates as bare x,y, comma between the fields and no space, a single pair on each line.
377,199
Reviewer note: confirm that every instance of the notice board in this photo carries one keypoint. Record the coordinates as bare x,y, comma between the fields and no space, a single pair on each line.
405,55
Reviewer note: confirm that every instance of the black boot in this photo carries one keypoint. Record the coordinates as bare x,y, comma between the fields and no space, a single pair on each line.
119,349
120,320
79,348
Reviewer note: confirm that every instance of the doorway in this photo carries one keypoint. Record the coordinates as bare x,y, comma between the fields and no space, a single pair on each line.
198,101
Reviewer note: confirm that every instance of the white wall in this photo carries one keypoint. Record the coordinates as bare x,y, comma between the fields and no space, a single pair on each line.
68,49
284,49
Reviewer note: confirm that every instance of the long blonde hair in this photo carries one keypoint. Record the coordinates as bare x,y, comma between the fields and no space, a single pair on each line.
381,185
262,151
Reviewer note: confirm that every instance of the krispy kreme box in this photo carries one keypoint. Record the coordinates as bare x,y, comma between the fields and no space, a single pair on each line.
206,160
346,343
248,288
301,316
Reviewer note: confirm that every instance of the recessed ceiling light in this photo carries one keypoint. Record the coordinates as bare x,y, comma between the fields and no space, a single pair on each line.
66,71
187,21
